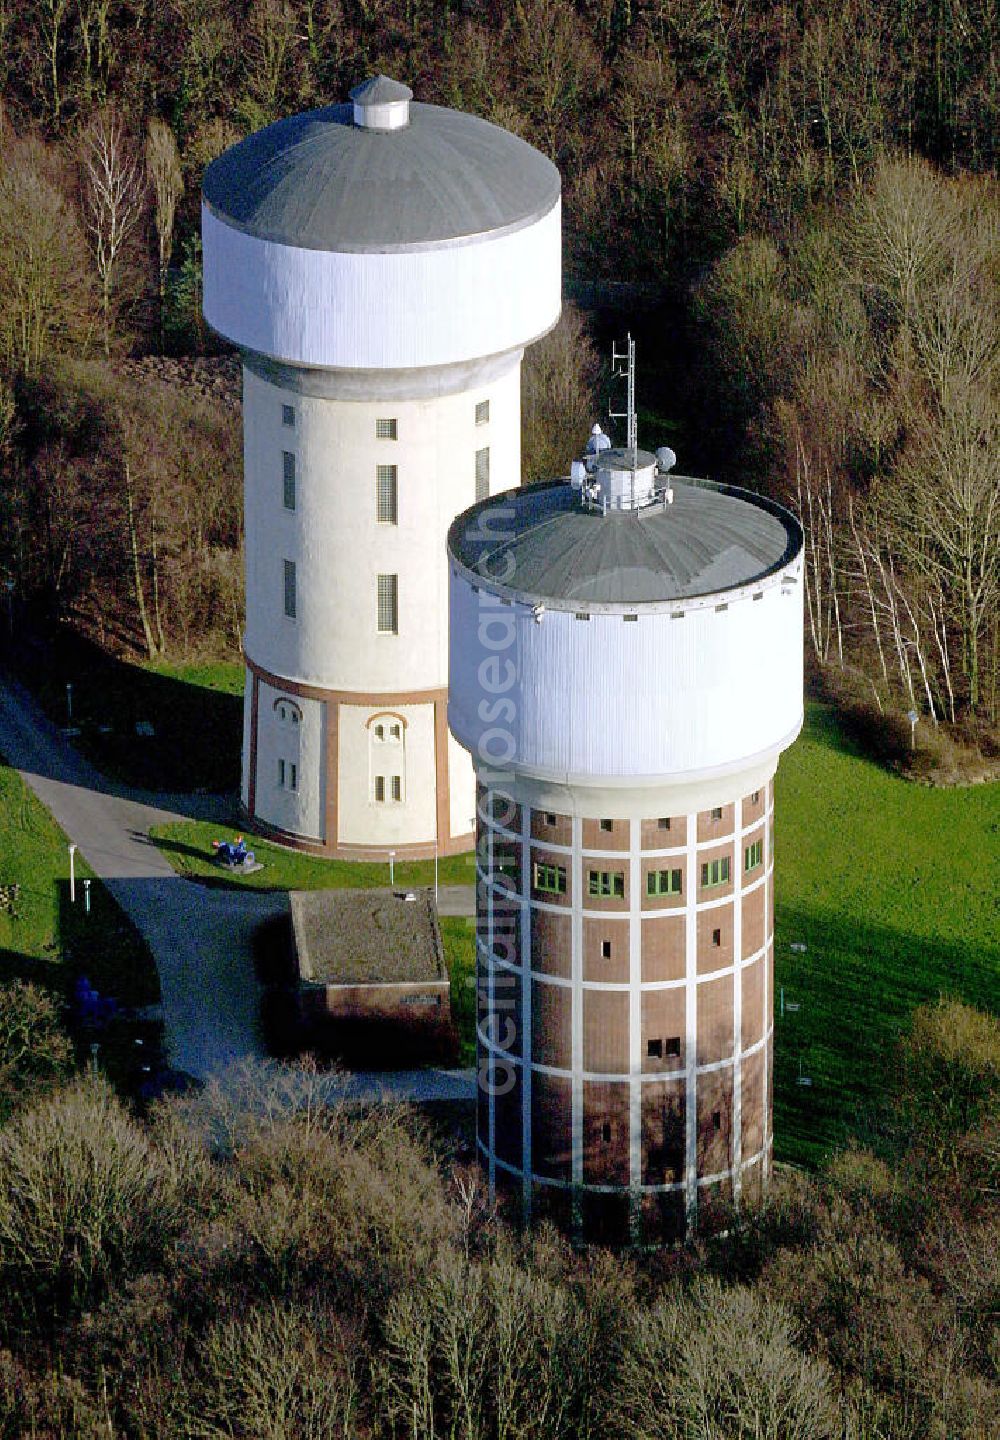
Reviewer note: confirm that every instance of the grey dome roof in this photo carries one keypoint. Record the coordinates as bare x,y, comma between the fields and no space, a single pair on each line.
712,538
319,181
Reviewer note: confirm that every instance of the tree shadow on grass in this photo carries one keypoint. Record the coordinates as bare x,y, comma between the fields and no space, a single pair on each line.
855,988
197,732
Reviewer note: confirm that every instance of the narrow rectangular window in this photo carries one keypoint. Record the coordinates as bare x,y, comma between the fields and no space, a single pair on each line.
549,879
755,797
385,494
482,412
288,415
606,949
663,882
483,473
281,774
607,883
716,938
288,479
385,429
397,787
715,872
290,596
379,788
293,776
753,855
388,604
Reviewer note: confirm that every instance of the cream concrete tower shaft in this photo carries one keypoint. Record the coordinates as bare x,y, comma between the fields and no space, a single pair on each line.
382,265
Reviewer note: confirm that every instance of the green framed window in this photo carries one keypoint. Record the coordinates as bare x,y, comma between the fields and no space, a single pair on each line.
715,872
753,855
607,883
549,879
663,882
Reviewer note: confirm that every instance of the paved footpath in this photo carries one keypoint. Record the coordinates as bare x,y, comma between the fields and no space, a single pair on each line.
200,936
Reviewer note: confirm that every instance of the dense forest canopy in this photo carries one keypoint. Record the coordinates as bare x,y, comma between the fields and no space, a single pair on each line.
806,189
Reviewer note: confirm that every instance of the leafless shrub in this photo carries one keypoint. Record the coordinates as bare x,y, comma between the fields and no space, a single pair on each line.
84,1196
722,1365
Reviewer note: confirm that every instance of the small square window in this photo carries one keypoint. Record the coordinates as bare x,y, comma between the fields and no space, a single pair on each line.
672,1046
550,819
380,788
482,412
717,813
607,825
288,416
664,822
606,949
385,429
654,1049
716,937
394,731
755,798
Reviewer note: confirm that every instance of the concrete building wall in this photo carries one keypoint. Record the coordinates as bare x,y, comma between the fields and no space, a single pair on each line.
330,653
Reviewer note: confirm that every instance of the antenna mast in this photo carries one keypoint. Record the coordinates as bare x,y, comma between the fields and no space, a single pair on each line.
626,358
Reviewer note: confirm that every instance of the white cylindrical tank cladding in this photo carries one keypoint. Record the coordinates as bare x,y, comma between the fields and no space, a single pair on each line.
371,311
689,688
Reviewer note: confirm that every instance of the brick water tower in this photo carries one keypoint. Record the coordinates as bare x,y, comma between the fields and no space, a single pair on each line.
381,265
626,669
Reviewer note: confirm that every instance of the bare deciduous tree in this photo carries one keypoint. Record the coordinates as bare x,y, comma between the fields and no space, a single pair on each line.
44,294
113,198
163,165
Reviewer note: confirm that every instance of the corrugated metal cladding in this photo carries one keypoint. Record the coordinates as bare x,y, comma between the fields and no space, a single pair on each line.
394,311
606,697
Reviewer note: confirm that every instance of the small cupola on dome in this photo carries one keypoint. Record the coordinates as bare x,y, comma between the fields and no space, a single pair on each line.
381,104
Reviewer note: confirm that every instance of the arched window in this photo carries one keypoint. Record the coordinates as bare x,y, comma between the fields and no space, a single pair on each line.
387,757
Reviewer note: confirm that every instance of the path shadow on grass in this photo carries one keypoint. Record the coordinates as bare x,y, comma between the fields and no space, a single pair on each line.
856,986
197,731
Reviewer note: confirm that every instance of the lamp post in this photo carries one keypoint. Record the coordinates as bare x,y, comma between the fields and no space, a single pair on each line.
69,703
392,858
72,873
86,897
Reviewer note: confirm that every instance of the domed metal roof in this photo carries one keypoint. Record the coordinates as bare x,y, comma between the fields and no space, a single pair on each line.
543,545
321,182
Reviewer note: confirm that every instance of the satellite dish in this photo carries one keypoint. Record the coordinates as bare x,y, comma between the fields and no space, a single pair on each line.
665,459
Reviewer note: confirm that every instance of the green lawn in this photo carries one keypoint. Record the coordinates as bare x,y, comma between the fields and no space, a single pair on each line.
52,942
458,936
895,890
188,846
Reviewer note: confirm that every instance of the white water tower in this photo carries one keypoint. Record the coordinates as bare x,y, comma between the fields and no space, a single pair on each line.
382,266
